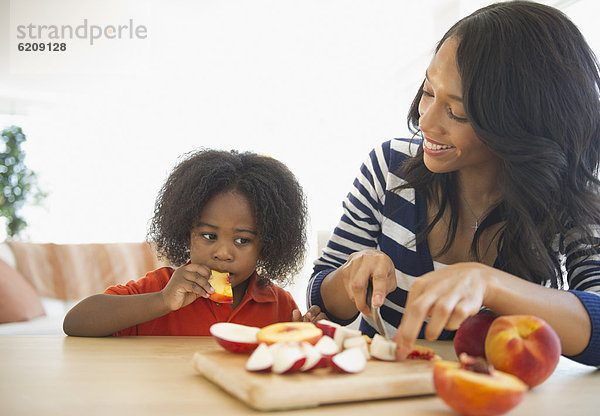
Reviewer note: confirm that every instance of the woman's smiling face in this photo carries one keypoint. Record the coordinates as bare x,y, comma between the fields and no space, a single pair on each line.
449,142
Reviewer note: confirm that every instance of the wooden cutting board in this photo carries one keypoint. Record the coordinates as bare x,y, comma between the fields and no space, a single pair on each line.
267,391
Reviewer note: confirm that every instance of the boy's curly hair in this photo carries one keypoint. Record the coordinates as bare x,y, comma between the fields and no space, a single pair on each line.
277,198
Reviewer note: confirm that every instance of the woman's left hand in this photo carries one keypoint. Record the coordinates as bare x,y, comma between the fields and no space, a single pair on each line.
447,297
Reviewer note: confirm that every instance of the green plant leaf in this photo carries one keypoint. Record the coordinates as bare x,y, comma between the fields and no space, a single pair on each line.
18,184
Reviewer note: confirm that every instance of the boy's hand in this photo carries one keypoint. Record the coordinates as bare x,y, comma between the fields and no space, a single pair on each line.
312,315
187,284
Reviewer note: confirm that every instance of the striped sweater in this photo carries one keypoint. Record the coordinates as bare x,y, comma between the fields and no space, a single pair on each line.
376,217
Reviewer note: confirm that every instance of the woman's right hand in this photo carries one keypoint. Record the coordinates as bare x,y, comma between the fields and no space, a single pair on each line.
187,284
363,266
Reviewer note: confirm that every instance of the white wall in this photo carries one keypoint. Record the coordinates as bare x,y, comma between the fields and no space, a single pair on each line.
314,83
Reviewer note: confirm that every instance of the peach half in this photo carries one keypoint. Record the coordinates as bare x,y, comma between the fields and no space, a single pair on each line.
289,332
235,337
524,346
220,282
473,393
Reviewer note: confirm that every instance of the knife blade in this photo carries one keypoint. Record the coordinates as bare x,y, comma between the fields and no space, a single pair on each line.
375,311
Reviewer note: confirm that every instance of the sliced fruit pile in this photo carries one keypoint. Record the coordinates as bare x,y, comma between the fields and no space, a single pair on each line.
288,347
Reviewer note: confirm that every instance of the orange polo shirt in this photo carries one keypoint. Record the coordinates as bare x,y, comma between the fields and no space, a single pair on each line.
261,306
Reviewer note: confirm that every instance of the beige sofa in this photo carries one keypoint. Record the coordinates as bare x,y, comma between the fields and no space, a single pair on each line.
40,282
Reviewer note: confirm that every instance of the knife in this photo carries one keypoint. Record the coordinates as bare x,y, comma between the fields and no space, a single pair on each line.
375,311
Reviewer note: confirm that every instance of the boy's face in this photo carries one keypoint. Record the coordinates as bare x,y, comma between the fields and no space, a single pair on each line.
225,237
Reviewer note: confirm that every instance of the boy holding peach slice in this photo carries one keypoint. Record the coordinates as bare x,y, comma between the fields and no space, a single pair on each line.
234,223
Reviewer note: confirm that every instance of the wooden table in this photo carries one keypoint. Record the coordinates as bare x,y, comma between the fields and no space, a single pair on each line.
57,375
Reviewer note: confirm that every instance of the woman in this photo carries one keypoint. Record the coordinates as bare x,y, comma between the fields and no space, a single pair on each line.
497,205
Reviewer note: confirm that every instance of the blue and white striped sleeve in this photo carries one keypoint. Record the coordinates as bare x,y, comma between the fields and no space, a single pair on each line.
583,275
360,225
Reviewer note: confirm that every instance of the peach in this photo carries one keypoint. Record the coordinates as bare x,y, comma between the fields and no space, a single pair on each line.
314,358
220,282
351,360
384,349
328,327
524,346
289,332
357,342
327,348
288,357
476,390
470,337
343,333
261,359
235,337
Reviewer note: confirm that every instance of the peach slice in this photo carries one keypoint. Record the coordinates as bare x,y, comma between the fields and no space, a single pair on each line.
328,348
382,348
220,282
358,342
327,327
524,346
342,333
351,360
487,393
288,357
385,350
235,337
313,357
261,359
289,332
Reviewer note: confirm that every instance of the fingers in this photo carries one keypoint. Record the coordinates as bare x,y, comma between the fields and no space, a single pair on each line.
200,269
450,319
449,311
193,278
368,265
359,291
320,316
416,311
440,313
313,314
446,297
355,281
382,280
296,315
423,303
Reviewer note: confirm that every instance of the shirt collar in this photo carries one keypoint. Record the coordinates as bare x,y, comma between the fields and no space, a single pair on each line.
258,292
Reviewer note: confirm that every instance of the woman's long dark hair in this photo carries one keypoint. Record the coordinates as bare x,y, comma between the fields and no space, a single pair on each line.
530,88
